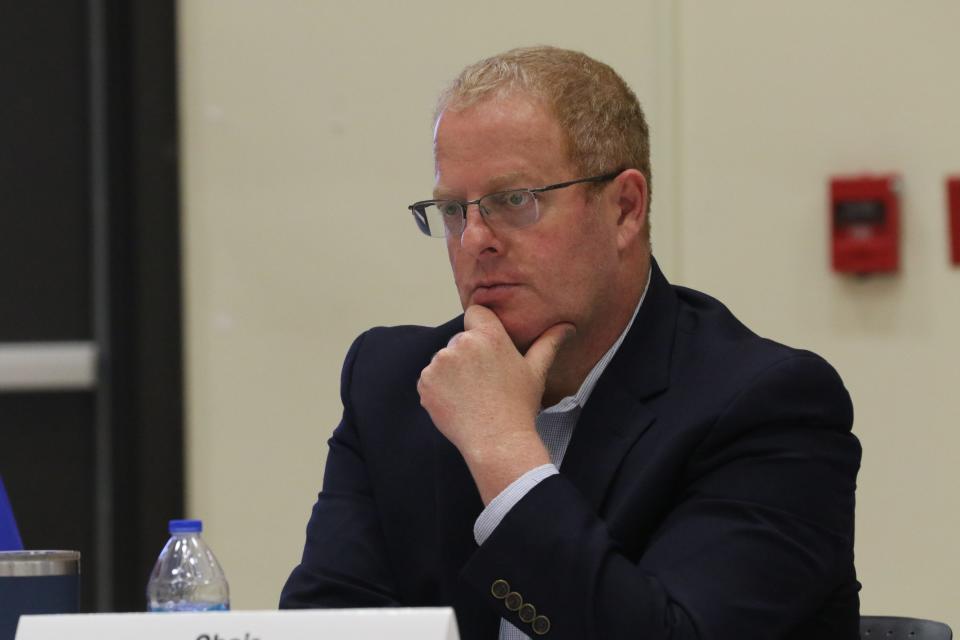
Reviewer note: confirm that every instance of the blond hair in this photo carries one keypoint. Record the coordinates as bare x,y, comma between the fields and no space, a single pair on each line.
599,114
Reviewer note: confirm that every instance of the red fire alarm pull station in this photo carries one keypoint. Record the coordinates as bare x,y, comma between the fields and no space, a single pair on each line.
865,223
953,206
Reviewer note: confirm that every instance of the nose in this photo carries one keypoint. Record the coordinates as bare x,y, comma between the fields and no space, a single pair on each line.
477,237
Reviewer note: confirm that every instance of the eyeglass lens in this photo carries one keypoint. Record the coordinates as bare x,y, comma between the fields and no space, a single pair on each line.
504,209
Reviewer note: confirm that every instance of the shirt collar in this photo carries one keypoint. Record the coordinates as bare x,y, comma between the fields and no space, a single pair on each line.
579,399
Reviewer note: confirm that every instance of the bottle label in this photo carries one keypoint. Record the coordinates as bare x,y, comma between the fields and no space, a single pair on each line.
173,607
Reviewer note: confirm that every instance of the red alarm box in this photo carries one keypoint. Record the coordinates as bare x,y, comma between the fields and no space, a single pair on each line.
953,207
865,223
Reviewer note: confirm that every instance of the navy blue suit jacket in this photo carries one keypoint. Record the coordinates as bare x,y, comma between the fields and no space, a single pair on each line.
708,492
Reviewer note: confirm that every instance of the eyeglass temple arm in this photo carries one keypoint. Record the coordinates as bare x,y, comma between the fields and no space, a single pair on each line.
561,185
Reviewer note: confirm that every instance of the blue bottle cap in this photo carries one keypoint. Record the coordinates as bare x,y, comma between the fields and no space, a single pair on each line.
186,526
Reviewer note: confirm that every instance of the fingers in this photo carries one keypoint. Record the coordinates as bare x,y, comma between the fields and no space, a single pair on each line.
542,352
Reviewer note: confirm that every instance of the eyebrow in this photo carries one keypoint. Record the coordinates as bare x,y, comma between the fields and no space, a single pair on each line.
514,179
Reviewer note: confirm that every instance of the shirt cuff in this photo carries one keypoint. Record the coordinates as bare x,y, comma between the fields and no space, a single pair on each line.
500,506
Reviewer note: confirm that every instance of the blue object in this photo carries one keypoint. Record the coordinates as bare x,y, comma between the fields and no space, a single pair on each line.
187,576
9,535
186,526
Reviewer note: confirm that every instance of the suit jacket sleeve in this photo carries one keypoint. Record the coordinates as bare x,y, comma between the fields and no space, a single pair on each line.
344,562
759,536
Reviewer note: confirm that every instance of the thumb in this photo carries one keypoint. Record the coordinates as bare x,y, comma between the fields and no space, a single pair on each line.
476,316
542,352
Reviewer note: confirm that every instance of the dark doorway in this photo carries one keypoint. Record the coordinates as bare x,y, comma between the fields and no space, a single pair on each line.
91,425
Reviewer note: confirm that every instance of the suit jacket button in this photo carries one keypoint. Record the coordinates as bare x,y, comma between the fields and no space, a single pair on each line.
541,624
513,601
499,589
528,613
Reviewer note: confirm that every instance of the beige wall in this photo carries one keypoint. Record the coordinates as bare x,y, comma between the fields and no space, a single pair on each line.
305,132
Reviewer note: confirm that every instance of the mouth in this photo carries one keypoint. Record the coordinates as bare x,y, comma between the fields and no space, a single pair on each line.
493,292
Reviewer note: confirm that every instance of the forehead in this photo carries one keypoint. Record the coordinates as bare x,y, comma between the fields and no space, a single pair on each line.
498,143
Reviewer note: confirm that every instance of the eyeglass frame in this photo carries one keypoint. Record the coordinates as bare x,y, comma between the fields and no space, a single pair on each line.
420,216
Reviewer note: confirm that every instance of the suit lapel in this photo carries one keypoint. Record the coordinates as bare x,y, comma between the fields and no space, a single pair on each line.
615,416
609,425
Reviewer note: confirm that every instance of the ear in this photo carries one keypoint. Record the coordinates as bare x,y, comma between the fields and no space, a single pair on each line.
631,200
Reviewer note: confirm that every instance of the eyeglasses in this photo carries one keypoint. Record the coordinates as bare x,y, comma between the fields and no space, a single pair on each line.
501,210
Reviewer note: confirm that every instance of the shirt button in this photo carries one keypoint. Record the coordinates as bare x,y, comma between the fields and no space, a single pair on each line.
499,589
528,613
513,601
541,624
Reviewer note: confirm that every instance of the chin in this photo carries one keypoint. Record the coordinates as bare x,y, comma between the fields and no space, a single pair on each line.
522,329
521,336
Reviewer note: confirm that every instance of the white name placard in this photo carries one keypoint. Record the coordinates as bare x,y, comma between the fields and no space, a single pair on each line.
329,624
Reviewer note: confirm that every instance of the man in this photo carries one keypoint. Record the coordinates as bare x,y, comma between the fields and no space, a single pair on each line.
588,452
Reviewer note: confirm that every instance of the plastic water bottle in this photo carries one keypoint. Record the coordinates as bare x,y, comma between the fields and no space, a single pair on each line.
187,576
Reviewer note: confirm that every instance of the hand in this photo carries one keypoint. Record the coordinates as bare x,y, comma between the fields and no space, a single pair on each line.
483,395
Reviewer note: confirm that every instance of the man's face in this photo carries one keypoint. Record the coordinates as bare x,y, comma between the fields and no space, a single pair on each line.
562,268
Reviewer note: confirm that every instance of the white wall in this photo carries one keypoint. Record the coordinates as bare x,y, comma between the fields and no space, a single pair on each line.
305,132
